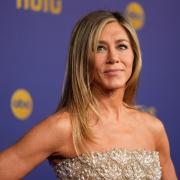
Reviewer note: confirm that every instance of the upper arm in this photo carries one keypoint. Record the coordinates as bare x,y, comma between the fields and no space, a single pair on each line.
41,141
162,146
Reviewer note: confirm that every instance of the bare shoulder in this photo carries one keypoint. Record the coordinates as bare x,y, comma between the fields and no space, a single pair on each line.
59,122
162,145
154,124
59,126
157,130
149,124
50,135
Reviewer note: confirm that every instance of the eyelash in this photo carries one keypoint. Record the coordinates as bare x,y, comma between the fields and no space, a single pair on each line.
122,46
101,48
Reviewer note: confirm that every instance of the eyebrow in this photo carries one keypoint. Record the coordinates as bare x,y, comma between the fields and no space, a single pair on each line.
117,41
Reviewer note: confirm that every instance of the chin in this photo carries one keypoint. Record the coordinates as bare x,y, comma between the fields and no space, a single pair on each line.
111,84
115,86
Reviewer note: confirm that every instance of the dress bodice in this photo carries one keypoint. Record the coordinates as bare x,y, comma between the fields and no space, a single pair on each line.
116,164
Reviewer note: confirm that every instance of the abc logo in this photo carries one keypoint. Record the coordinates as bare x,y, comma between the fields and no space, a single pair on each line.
135,13
21,104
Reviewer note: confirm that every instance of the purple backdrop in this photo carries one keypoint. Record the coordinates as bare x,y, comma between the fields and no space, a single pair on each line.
33,50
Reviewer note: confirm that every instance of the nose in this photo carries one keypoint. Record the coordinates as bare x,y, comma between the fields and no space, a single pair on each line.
112,56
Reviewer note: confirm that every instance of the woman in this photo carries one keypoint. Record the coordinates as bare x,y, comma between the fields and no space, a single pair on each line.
97,131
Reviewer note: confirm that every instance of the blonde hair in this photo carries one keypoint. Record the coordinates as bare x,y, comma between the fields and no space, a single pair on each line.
77,97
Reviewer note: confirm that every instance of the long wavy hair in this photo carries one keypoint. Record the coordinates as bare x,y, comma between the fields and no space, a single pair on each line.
77,97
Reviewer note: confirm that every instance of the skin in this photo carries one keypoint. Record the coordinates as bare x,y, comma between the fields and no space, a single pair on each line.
125,126
113,59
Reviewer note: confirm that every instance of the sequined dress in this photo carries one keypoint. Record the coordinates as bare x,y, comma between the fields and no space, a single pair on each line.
116,164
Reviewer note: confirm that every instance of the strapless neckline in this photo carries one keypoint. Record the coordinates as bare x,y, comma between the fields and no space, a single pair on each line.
115,164
120,149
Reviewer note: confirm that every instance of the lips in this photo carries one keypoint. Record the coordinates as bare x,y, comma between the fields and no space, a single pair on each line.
112,71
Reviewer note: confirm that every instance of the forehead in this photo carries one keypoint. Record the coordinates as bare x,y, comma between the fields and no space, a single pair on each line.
113,30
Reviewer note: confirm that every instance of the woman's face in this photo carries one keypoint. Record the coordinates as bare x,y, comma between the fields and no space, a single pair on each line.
113,58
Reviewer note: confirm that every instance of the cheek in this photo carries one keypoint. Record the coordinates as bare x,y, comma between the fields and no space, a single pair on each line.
99,62
130,61
130,66
95,66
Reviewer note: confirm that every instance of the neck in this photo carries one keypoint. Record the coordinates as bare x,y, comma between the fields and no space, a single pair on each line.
109,102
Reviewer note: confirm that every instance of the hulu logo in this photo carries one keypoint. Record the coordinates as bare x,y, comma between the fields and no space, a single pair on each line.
52,6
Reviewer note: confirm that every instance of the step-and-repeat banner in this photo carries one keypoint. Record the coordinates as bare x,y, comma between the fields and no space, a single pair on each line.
34,40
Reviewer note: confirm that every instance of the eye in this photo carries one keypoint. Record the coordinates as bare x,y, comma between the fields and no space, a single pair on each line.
101,48
122,46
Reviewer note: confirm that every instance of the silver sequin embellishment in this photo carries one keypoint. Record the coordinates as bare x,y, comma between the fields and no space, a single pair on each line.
116,164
